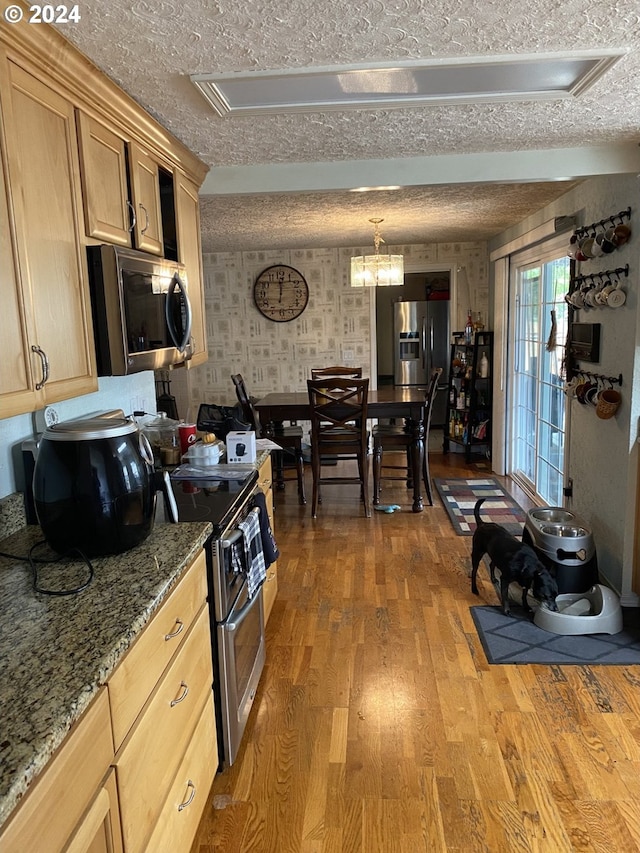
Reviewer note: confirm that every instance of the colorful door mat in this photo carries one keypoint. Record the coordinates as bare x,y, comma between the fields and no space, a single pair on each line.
516,639
459,498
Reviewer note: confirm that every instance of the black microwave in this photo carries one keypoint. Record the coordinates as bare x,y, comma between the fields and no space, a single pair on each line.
141,311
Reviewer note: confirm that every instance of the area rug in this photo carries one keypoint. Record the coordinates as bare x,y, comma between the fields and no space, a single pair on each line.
516,640
459,497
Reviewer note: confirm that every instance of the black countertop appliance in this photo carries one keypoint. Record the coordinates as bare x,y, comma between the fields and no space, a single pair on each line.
94,486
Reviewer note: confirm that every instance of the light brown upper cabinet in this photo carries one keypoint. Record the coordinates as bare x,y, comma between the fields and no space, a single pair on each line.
108,213
51,348
145,192
187,211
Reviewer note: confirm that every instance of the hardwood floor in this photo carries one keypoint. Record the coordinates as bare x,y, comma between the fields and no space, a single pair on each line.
379,726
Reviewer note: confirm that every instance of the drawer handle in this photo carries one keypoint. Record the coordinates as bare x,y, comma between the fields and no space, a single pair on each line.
175,633
189,800
185,692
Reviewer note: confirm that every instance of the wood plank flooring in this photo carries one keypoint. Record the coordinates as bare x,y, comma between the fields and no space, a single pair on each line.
379,726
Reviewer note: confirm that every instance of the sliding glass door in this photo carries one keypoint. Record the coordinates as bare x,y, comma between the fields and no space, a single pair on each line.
538,417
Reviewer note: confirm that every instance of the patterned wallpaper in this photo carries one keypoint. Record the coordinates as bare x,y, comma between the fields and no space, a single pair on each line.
334,329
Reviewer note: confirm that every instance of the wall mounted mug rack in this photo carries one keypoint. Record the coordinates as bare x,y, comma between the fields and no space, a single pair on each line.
601,237
576,370
595,278
598,289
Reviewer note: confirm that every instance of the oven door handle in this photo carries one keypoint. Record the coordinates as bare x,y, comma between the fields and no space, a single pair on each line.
236,535
242,614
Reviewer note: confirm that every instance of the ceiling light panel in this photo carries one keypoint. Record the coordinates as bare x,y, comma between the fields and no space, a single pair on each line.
405,84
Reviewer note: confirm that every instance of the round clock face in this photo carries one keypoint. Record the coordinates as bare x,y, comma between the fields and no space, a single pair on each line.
281,293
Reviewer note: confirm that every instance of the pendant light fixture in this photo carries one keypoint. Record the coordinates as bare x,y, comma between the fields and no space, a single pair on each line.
377,270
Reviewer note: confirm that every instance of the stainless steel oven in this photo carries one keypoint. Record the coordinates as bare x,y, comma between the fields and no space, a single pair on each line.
237,620
241,643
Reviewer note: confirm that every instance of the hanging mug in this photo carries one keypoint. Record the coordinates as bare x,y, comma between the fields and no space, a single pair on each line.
617,297
608,403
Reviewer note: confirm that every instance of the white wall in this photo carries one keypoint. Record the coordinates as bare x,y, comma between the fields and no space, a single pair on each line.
129,393
603,455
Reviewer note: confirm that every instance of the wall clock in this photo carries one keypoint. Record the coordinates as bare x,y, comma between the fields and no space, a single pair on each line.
281,293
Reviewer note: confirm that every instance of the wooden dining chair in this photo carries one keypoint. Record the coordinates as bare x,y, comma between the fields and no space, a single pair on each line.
392,437
338,408
289,438
339,370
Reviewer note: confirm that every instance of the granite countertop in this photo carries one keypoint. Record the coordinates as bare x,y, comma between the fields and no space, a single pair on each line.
57,651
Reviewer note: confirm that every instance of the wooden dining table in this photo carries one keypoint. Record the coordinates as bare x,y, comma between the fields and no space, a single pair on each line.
386,402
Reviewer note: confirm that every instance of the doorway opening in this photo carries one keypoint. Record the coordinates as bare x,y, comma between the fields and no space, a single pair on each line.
418,287
413,338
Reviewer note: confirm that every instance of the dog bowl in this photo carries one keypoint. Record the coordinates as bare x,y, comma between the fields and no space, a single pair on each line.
596,611
552,515
563,530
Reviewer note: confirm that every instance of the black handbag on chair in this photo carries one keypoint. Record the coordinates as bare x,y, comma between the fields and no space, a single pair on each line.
221,420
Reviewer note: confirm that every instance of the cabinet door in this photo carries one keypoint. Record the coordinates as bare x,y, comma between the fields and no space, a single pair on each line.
107,212
44,180
61,798
270,588
190,254
17,393
99,830
145,189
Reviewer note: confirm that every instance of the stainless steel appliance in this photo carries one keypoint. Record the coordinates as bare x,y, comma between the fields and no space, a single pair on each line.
421,342
141,311
237,621
94,485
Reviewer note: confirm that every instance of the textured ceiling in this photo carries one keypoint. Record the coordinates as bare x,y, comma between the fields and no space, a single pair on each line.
151,48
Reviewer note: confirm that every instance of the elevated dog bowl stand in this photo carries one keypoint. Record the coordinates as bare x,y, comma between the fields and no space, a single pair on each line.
564,544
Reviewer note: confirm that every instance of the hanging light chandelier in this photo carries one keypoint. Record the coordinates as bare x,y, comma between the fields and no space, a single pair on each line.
377,270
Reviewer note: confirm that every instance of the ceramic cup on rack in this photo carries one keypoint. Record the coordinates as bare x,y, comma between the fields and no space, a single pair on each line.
581,391
606,242
604,292
592,395
590,297
621,234
608,403
570,387
617,297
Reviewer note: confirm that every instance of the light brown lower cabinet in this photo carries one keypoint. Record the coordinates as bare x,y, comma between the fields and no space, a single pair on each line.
56,809
182,811
270,588
147,763
147,793
99,830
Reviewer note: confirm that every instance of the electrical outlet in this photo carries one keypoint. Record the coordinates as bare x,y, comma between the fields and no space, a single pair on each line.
348,355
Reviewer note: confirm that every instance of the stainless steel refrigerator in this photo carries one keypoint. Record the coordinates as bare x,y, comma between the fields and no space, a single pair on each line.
421,342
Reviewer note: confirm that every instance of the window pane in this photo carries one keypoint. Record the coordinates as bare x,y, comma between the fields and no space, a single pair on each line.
538,414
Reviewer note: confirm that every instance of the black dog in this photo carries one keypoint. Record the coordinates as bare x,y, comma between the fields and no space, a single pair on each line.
517,562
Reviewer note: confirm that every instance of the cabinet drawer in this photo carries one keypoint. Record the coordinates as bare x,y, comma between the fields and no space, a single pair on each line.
270,590
265,475
189,792
57,801
153,750
134,679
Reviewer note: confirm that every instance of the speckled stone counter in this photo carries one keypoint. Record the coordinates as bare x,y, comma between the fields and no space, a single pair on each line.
56,651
